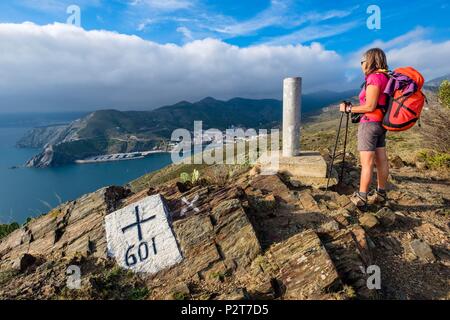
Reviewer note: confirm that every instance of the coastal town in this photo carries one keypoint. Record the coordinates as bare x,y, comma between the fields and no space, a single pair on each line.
204,138
119,156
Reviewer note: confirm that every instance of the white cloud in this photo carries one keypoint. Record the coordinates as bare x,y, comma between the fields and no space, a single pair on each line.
312,33
412,36
273,15
61,67
411,49
279,14
164,4
186,33
202,22
143,25
431,59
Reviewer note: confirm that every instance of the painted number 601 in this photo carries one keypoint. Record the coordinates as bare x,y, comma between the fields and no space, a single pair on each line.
142,252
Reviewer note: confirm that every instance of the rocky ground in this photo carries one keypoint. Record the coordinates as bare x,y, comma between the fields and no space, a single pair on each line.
410,239
254,237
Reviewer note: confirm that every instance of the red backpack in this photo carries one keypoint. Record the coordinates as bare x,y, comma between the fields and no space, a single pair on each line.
406,99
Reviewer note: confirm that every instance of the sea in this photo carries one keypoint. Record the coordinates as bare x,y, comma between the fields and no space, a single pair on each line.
30,192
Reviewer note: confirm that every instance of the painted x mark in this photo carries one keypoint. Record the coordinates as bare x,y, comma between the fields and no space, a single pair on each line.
189,205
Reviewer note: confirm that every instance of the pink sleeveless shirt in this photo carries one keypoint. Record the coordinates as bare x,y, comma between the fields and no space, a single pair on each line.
380,80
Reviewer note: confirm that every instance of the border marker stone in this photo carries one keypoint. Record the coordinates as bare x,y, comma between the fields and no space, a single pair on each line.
140,236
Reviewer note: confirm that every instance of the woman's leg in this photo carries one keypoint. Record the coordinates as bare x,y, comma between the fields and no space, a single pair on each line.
382,167
367,163
367,139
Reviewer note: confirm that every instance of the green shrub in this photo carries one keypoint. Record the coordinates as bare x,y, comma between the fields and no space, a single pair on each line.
434,160
6,229
185,177
118,283
436,129
7,275
444,93
139,293
179,296
349,292
195,177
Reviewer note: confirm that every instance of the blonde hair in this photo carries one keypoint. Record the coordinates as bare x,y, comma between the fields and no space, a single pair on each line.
375,59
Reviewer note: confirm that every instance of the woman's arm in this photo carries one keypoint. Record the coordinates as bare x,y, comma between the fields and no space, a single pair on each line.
372,96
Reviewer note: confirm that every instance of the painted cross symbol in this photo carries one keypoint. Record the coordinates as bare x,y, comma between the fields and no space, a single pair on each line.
189,205
138,223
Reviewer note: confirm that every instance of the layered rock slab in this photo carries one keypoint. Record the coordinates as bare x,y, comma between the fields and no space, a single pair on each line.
221,251
306,271
73,227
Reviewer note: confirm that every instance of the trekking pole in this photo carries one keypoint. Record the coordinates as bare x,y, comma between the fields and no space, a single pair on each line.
341,178
334,151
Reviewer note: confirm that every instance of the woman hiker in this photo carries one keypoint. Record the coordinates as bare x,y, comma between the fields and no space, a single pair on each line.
371,134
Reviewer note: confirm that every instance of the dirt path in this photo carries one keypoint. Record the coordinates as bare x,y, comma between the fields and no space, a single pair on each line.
422,200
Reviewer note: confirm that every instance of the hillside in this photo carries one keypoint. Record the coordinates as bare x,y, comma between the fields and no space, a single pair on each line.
435,83
252,236
112,131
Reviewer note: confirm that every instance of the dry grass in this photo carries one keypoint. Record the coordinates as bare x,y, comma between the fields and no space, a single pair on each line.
436,129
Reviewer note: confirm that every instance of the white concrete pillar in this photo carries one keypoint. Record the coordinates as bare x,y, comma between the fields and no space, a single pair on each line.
292,92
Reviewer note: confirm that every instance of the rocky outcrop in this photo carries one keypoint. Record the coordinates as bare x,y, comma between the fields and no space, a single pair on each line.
43,159
49,138
257,238
303,267
51,156
74,227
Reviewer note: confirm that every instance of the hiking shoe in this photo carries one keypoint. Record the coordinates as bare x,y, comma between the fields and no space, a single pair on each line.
358,200
377,197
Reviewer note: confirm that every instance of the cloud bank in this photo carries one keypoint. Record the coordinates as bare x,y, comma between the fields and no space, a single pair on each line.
63,67
60,67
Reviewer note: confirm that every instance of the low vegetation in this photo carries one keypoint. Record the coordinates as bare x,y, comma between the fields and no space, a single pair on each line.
436,129
118,283
180,296
7,275
6,229
431,134
444,94
193,178
434,160
218,174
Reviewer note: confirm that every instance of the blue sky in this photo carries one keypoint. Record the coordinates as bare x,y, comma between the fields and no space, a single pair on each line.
140,54
340,26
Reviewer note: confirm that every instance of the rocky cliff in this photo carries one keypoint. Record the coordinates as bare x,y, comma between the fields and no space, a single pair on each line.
41,136
50,139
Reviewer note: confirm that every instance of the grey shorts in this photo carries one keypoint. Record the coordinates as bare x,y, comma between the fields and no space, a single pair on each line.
371,135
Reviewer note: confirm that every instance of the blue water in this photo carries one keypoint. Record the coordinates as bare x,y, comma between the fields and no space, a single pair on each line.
29,192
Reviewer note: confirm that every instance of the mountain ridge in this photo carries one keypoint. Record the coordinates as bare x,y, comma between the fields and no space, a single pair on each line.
110,131
107,131
434,84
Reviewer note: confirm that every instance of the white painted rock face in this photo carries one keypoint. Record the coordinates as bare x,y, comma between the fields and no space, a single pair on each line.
140,237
